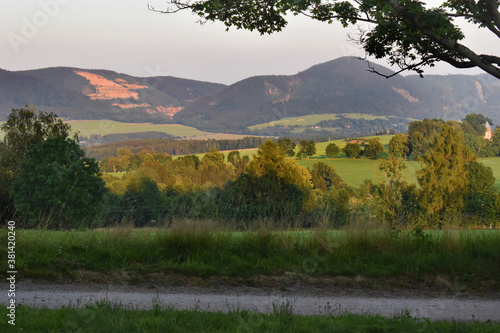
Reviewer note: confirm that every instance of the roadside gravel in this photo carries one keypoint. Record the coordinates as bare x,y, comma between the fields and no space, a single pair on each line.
305,301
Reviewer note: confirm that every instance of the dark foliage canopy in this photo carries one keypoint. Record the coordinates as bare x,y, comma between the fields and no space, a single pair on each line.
57,186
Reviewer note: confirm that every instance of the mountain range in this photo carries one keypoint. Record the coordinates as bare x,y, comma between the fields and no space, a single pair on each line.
344,85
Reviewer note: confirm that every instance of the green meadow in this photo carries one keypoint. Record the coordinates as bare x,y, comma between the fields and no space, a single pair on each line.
313,119
203,252
355,171
106,127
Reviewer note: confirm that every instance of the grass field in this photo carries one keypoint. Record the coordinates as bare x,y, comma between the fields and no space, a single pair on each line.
195,250
106,317
106,127
355,171
314,119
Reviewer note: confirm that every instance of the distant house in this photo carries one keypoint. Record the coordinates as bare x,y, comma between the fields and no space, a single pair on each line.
489,133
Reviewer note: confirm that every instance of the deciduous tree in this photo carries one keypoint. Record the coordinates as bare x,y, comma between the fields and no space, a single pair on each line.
288,145
483,198
307,148
332,150
28,126
24,128
352,150
478,122
57,186
324,177
398,146
373,149
443,179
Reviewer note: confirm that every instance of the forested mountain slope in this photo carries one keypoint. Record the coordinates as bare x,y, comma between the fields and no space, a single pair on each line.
75,93
340,86
344,85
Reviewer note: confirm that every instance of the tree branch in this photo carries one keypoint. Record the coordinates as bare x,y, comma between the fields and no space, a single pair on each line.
493,11
403,69
483,62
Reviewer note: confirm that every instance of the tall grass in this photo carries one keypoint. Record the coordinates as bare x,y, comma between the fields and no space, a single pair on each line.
198,251
105,317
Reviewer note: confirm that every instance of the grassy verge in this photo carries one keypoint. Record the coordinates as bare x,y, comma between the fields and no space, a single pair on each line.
104,317
464,259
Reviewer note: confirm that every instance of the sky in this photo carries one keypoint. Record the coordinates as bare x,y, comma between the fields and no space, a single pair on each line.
126,37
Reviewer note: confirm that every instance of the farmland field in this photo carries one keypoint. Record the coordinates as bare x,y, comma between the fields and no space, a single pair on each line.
105,127
314,119
354,172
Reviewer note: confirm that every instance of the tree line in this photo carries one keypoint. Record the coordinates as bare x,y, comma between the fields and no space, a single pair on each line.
172,147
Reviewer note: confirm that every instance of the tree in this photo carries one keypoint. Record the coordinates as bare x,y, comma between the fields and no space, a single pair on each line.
59,186
352,150
213,168
234,158
308,148
271,160
492,148
273,186
332,150
23,128
480,177
28,126
483,199
324,177
373,149
443,178
478,122
395,197
411,34
237,161
288,145
398,146
142,201
420,135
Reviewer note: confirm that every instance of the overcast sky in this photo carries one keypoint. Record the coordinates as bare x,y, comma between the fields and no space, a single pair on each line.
126,37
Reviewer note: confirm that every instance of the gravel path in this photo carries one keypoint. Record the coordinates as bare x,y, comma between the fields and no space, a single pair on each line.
435,307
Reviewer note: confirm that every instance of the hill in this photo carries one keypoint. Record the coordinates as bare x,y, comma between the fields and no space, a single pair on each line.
343,89
341,86
75,93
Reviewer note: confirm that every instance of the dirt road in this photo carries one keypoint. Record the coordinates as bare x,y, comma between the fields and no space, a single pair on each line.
432,306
